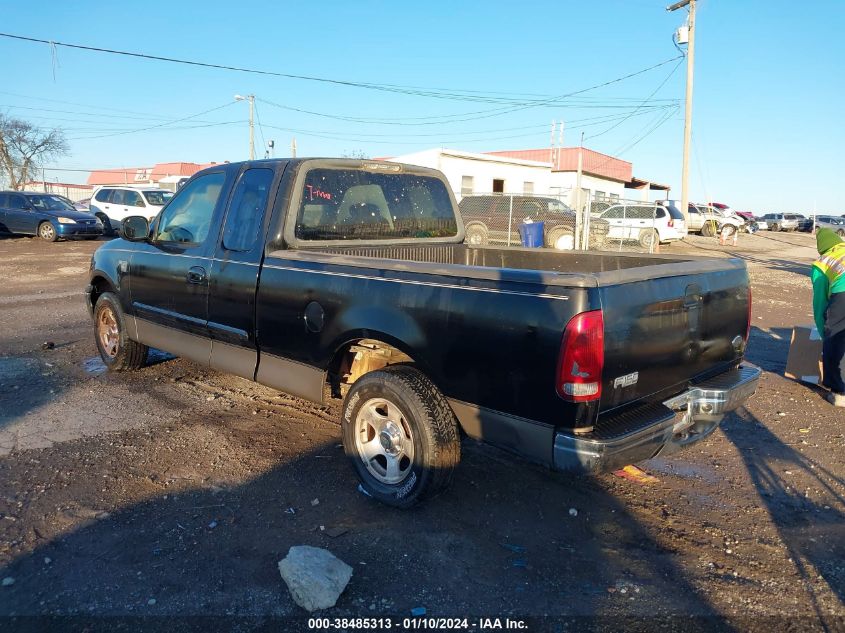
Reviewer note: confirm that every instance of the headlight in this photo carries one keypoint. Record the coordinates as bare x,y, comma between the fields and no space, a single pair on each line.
66,221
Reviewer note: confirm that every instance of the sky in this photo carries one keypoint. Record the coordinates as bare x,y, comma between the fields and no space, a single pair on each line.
769,85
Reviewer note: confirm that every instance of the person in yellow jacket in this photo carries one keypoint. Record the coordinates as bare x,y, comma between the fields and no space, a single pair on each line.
828,277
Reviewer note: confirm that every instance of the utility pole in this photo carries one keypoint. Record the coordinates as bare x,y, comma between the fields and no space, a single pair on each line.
579,218
688,108
251,99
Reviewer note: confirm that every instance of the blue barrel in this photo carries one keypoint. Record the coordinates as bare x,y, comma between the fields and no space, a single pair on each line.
531,234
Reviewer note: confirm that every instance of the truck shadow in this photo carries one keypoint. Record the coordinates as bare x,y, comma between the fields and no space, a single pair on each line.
813,533
768,348
507,538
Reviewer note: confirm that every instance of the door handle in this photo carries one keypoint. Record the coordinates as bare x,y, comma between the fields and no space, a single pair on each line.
197,275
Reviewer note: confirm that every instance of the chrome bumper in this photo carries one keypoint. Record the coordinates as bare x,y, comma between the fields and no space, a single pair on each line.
682,420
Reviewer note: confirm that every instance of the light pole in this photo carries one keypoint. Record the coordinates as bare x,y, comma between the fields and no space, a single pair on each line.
251,99
688,108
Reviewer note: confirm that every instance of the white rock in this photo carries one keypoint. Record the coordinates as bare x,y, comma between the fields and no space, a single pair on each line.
8,581
573,512
315,577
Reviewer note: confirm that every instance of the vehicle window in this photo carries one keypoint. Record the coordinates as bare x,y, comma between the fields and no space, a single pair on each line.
659,213
4,200
158,198
17,202
639,212
103,195
49,203
118,196
133,199
674,213
613,213
187,218
340,204
531,207
693,210
247,209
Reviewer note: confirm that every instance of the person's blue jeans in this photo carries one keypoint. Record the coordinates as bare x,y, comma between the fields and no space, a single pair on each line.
833,345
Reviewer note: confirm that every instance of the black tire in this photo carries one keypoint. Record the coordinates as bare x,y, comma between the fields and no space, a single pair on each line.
108,230
476,235
126,354
649,238
47,232
555,234
425,424
841,232
774,227
707,229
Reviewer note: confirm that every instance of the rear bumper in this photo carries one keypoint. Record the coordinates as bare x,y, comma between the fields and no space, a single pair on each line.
682,420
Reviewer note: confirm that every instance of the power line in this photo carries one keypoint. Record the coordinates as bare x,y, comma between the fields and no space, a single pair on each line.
153,127
439,93
639,107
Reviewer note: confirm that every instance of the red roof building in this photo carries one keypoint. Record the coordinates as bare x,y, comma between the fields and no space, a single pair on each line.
566,159
145,175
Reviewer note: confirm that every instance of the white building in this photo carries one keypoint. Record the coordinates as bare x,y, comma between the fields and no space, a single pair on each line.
535,171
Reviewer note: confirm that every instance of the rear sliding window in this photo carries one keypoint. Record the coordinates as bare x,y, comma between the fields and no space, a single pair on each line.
341,204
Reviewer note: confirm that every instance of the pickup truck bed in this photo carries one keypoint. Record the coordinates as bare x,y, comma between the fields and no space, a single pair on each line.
577,360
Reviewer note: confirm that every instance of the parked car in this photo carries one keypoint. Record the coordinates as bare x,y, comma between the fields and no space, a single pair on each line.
832,222
112,204
487,218
761,222
46,215
706,219
355,275
805,224
644,224
781,221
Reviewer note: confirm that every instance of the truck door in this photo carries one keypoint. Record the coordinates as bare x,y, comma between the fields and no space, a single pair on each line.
234,274
169,276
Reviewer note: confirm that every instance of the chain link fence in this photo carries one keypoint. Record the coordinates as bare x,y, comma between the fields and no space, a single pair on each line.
505,219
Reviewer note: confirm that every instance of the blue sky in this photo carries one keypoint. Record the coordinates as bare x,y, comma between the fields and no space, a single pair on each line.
769,84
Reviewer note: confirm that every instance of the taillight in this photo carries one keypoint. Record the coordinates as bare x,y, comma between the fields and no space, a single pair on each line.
748,328
671,224
581,358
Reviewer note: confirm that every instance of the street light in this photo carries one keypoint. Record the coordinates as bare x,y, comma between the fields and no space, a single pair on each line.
251,99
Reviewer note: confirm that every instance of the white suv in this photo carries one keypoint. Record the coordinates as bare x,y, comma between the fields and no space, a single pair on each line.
112,204
643,223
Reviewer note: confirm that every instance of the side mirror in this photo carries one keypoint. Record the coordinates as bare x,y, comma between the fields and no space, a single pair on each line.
135,228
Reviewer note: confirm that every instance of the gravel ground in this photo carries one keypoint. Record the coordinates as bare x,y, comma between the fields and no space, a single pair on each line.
176,490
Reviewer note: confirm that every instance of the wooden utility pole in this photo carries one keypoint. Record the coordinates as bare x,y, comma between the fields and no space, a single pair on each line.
688,104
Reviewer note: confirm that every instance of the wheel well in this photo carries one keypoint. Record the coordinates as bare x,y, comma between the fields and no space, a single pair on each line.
99,285
360,357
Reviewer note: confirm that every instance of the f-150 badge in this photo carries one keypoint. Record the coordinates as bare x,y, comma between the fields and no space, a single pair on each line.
627,380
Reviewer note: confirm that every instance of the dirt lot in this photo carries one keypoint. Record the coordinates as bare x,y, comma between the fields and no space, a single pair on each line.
176,491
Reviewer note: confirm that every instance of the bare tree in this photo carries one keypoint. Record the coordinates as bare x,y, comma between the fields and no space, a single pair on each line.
24,148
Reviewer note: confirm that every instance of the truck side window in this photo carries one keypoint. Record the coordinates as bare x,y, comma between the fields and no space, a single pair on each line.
187,218
247,209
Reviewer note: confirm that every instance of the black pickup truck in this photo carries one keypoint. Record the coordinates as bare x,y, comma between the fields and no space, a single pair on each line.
346,278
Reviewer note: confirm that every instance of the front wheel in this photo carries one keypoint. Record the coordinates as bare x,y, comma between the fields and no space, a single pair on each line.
47,232
708,230
401,435
118,351
774,227
841,232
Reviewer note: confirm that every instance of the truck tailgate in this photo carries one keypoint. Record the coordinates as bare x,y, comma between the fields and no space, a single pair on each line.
675,327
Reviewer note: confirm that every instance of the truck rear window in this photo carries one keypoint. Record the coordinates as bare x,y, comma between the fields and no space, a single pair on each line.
341,204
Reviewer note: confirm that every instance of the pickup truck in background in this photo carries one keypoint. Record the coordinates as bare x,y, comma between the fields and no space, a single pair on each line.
330,278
